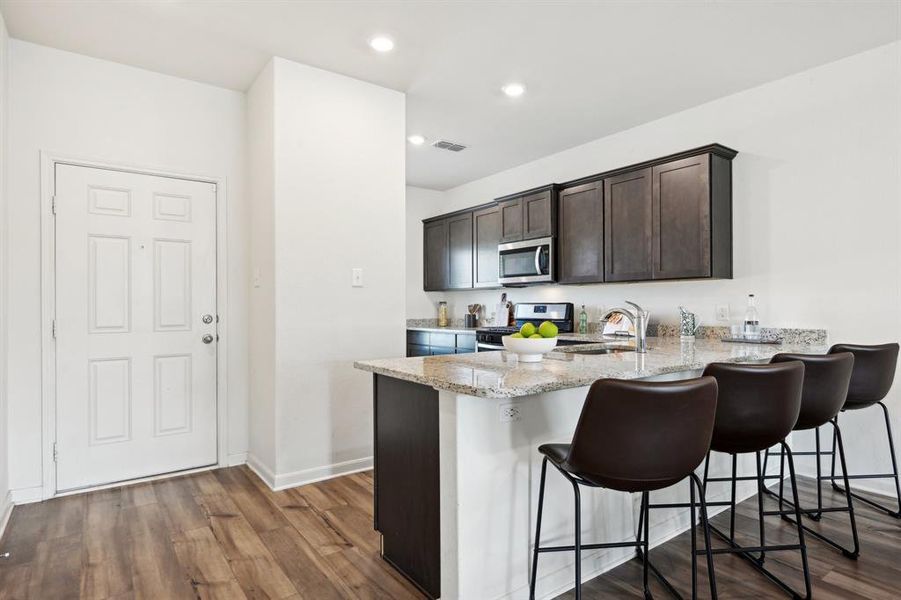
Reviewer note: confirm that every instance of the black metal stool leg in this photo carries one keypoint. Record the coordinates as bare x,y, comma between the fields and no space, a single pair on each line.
841,453
819,514
578,542
732,507
646,544
760,488
708,547
537,530
694,539
794,483
892,475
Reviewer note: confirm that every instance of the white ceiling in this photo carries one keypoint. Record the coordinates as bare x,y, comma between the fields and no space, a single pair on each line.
591,68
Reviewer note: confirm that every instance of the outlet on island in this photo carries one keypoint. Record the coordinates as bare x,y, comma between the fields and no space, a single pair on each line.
509,412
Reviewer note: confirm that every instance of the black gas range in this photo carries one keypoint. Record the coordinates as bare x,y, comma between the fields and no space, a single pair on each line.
559,313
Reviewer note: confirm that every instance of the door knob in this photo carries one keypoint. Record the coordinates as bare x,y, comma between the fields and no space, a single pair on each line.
207,339
207,319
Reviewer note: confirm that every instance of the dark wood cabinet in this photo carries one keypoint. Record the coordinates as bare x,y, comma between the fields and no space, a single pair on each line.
459,243
435,255
511,220
628,226
580,245
667,218
486,234
529,215
685,235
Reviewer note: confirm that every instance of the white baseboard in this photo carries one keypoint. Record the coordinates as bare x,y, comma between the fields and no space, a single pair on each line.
283,481
262,470
6,512
238,458
27,495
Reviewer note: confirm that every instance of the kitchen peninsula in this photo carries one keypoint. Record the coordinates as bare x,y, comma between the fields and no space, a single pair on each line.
457,467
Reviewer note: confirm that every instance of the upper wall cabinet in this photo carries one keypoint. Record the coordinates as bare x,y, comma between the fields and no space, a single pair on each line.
580,246
486,234
529,215
667,218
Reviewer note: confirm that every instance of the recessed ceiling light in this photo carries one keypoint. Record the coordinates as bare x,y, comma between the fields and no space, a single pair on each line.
381,43
514,90
416,140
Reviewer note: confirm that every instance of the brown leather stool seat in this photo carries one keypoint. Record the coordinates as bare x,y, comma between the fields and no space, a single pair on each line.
758,405
826,381
871,381
635,436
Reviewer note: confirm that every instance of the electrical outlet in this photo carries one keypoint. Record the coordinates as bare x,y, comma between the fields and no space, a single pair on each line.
509,412
356,277
722,312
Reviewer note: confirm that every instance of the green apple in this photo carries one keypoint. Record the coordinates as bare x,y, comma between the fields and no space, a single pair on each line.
517,335
528,330
547,330
536,336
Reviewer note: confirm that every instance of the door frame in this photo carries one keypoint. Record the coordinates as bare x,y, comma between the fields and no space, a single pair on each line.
49,161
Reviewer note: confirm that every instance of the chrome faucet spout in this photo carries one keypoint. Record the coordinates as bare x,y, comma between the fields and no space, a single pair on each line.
639,318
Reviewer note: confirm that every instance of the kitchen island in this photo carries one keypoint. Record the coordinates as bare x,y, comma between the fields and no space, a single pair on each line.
457,467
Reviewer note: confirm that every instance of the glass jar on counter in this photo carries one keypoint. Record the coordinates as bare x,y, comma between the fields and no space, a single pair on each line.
442,314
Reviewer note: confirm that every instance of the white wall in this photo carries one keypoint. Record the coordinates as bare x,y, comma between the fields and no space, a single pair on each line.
338,200
84,107
817,215
261,182
5,504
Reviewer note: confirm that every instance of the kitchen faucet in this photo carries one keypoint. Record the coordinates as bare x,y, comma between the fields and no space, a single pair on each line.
639,319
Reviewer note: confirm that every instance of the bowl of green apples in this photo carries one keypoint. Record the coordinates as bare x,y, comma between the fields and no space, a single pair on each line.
532,343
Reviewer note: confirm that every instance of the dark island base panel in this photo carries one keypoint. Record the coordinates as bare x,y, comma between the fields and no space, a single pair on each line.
406,474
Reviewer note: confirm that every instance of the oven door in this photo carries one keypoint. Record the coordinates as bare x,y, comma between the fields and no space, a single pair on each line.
530,261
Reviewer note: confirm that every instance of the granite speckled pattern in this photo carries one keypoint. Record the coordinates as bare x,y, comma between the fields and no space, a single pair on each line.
501,375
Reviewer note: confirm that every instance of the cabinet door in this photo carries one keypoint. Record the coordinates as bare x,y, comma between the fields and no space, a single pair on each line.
459,241
580,245
511,220
486,231
538,218
682,218
628,226
435,255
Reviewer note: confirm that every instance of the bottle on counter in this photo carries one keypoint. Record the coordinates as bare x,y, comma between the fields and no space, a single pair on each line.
442,314
583,320
751,329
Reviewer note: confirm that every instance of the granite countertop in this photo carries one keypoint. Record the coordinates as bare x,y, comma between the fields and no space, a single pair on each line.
501,375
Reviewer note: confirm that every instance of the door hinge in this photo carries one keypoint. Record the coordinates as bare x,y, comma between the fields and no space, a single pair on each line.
55,453
53,328
53,205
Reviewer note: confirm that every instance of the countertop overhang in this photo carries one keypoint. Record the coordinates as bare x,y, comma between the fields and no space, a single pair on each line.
501,375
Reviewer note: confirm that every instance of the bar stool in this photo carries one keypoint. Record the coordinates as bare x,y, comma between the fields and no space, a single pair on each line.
826,380
635,437
871,380
757,407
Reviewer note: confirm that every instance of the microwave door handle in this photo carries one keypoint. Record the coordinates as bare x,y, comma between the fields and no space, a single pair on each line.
538,260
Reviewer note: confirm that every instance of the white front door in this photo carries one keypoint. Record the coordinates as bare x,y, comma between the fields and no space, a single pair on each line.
135,325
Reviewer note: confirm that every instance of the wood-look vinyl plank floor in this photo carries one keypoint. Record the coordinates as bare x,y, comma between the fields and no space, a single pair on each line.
224,534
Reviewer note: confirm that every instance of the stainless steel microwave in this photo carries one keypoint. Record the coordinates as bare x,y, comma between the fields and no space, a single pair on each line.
529,261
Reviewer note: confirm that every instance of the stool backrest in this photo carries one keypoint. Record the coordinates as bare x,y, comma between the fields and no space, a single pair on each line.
873,374
826,380
639,430
758,404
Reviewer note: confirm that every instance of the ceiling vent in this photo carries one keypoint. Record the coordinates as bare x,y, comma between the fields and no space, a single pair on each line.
446,145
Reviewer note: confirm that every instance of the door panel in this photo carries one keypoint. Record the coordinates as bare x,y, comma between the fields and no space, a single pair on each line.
628,226
581,241
537,216
511,220
135,273
682,218
459,240
435,261
486,225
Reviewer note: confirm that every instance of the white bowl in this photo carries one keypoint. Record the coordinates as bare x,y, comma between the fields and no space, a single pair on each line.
528,349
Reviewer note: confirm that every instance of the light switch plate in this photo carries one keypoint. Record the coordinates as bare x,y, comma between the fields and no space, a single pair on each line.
356,277
722,312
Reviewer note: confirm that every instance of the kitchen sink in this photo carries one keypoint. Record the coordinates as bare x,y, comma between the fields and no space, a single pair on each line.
612,350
